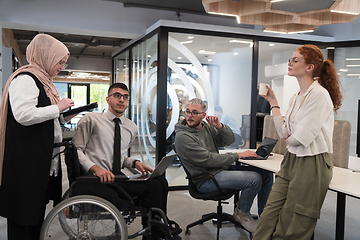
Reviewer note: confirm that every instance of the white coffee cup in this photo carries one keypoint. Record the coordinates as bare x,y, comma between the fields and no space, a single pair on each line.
262,89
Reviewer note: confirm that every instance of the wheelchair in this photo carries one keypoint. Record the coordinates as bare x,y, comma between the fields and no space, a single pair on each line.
85,217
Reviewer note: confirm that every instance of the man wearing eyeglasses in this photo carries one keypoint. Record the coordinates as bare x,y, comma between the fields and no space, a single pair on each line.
197,143
94,138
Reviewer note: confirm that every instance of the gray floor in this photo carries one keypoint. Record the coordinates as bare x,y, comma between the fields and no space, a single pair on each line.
184,210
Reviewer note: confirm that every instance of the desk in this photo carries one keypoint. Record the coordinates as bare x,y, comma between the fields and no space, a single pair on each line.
345,182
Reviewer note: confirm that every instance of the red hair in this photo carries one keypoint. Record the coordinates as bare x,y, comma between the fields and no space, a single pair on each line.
325,71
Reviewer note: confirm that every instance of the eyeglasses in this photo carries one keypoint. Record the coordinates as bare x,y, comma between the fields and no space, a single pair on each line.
292,61
119,95
64,65
193,113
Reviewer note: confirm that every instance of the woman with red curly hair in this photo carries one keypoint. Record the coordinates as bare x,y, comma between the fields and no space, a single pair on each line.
300,187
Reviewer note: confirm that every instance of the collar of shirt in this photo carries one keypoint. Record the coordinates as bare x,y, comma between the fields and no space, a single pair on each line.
109,115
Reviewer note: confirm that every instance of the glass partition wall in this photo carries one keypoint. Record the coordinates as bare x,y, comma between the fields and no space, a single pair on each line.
214,69
139,64
170,66
144,97
347,63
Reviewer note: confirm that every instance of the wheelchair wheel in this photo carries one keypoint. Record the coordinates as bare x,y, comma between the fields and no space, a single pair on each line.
84,217
65,195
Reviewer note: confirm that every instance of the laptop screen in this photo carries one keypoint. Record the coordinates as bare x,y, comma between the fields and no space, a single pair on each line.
266,146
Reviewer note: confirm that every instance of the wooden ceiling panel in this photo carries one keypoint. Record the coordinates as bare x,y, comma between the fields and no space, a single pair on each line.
287,16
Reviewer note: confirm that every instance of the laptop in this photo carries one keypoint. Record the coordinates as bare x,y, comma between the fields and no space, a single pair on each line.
264,150
158,171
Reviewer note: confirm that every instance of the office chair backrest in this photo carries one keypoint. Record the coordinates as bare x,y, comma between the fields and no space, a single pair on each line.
341,143
269,130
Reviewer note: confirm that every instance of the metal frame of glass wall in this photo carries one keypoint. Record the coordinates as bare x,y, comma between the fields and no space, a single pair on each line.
162,35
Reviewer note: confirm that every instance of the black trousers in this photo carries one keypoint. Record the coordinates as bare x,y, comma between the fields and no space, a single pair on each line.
151,193
17,231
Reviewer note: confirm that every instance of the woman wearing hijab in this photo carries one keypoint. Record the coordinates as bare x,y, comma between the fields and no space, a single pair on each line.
300,187
30,115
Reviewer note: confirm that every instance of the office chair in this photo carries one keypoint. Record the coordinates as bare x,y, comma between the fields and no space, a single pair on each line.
341,143
269,130
243,135
219,196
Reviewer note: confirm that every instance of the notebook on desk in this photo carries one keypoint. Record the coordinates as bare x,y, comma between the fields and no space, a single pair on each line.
159,169
264,150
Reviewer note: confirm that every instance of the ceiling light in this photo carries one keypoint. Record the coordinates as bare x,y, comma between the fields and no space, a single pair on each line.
186,42
352,59
356,65
353,74
330,48
305,31
271,44
251,43
179,57
344,12
343,70
236,53
209,60
274,1
269,31
207,52
227,14
190,37
82,74
149,56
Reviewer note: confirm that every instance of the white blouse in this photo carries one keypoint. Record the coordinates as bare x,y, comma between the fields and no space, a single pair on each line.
309,122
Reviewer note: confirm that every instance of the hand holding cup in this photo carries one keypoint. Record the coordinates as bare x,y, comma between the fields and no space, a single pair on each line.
262,89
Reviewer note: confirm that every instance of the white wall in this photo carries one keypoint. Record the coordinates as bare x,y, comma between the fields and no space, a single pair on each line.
235,83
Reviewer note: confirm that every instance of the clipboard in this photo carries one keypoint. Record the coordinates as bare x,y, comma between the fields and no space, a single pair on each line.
80,109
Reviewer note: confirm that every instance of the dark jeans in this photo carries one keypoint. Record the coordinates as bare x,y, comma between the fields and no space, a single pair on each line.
251,181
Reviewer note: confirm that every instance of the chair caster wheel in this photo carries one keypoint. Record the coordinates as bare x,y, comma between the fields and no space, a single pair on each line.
187,232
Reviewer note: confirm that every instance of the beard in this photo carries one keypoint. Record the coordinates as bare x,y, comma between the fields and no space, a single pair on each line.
195,125
119,111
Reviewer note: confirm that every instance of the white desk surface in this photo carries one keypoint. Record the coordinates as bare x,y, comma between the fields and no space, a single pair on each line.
344,180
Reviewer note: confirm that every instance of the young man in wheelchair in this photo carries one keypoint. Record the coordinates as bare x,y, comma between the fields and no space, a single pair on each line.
102,154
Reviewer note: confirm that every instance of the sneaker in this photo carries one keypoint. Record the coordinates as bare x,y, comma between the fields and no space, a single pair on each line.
245,219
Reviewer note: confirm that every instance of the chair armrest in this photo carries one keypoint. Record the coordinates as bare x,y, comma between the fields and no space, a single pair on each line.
95,179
